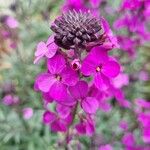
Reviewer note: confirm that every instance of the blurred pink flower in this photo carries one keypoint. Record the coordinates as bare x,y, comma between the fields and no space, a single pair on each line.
27,113
47,49
106,147
121,80
10,100
123,124
144,76
128,140
11,22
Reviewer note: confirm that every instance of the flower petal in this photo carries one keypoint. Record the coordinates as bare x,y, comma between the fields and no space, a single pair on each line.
58,91
52,49
101,81
69,76
41,49
111,69
59,125
90,105
63,111
45,81
56,64
48,117
96,57
79,90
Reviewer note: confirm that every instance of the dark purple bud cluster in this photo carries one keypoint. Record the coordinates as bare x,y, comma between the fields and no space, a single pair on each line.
76,29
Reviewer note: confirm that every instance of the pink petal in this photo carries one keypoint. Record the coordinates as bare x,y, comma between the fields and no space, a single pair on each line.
81,128
111,69
69,76
77,91
96,57
52,49
90,105
128,139
105,147
48,117
36,60
68,101
27,113
90,128
63,111
59,125
47,97
56,64
45,81
58,91
12,22
41,49
101,81
50,40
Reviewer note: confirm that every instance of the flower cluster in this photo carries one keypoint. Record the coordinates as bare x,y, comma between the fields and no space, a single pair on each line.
10,98
83,5
8,34
80,74
134,17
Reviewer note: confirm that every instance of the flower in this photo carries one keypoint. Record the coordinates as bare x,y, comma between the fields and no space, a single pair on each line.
60,120
86,126
10,99
47,49
89,104
58,77
106,147
11,22
27,113
128,140
99,65
72,31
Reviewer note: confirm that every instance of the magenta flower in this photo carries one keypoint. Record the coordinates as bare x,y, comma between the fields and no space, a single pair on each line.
111,41
89,104
106,147
47,49
142,103
79,76
58,77
123,125
86,127
27,113
121,80
99,65
10,100
128,140
11,22
58,121
146,135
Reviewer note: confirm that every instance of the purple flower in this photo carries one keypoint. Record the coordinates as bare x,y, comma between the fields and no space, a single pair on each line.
58,121
27,113
10,100
123,124
47,49
11,22
121,80
128,140
89,104
86,126
146,135
112,40
58,77
106,147
99,65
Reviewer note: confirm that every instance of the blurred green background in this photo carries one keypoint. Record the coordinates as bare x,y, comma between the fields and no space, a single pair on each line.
17,68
